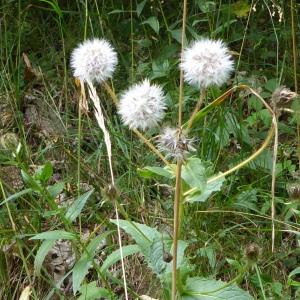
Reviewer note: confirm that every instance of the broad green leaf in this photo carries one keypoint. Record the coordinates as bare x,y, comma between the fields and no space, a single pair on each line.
16,196
194,173
54,235
140,7
115,256
207,289
156,257
31,182
153,23
55,189
292,282
142,234
150,172
90,291
296,109
76,208
209,188
81,267
182,245
44,172
41,254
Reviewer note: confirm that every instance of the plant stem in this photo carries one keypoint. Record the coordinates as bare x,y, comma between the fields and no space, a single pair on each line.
177,200
197,107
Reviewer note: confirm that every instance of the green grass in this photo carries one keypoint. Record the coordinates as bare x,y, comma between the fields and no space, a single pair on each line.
42,114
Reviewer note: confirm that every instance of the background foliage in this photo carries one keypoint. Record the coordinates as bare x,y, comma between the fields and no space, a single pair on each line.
50,156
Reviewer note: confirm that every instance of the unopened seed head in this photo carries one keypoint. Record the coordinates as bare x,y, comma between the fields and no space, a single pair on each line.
206,62
142,106
94,60
175,144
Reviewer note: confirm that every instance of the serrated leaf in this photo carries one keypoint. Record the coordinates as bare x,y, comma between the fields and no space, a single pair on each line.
82,266
208,189
54,235
194,173
206,289
155,259
153,23
115,256
45,247
76,208
90,291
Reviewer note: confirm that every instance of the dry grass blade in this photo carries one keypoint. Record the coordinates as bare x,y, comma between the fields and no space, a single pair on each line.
100,119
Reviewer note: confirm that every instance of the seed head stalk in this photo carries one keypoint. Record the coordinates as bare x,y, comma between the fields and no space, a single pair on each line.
177,199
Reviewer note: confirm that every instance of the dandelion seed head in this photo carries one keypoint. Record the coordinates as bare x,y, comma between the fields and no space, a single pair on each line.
206,62
94,60
175,144
142,106
282,95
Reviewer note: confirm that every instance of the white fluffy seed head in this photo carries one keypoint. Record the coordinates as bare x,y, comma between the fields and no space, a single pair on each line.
175,144
206,62
142,106
94,60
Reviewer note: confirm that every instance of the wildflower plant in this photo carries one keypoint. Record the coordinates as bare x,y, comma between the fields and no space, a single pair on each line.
142,107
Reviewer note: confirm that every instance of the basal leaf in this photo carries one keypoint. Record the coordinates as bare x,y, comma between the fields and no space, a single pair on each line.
142,234
90,291
54,235
115,256
82,266
206,289
41,254
76,208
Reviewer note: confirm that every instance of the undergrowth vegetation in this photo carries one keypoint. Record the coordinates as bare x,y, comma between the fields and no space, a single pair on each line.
146,182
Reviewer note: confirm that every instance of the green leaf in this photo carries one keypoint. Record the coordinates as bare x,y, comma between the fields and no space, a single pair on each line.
140,7
81,267
241,8
181,246
54,235
55,189
150,172
153,23
156,257
194,173
206,289
31,182
90,291
16,196
115,256
76,208
44,172
142,234
202,196
41,254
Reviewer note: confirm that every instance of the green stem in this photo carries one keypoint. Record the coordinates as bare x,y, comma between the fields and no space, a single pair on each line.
177,200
